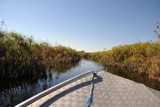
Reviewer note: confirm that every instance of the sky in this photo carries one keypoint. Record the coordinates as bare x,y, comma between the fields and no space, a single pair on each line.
89,25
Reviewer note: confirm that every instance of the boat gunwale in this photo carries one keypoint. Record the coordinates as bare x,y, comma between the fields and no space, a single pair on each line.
47,91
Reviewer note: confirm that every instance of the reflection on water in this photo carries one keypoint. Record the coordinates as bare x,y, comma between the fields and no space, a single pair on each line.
140,78
12,94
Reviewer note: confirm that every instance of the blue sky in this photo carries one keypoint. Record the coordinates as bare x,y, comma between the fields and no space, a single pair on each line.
89,25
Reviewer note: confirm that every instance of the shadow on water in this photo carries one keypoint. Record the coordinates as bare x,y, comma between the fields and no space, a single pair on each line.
15,91
135,76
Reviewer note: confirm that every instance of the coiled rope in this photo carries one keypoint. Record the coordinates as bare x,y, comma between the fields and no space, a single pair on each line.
89,100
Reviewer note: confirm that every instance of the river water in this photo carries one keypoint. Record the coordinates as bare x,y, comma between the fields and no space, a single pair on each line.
13,95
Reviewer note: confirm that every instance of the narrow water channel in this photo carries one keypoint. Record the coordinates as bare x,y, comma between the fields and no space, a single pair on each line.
13,95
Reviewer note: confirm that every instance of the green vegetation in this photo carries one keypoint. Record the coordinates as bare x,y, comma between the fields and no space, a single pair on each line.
139,57
22,57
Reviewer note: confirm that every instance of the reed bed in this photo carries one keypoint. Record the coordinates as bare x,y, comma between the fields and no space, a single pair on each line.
143,58
139,57
22,57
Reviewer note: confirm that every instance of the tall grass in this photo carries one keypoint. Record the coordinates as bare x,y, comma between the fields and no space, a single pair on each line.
139,57
22,57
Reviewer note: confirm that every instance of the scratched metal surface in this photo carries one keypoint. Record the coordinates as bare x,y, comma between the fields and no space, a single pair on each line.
109,91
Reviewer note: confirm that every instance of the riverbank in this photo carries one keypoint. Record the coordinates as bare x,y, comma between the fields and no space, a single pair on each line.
22,57
143,58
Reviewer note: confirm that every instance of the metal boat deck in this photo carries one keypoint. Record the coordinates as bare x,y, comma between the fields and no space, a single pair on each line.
109,91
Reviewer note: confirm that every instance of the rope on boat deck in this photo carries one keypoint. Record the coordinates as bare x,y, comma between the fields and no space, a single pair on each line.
89,100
